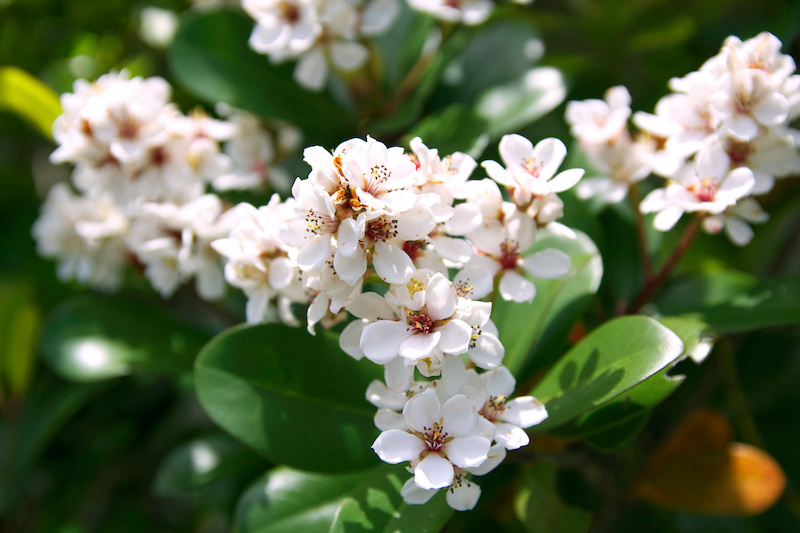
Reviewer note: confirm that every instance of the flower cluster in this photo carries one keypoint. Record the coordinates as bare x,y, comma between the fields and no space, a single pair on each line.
720,138
319,34
409,246
141,171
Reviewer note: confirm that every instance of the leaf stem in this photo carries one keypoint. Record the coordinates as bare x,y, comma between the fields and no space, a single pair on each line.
652,285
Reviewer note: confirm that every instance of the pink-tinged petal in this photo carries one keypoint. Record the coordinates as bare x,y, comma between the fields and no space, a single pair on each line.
456,335
464,496
515,149
350,339
548,264
566,179
459,416
497,455
549,153
487,352
516,288
738,231
392,264
397,446
666,219
440,297
467,452
314,252
380,340
525,411
386,419
415,224
419,345
422,410
434,472
499,382
414,495
511,436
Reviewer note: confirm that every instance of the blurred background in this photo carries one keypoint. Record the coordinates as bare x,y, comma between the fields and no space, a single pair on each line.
85,457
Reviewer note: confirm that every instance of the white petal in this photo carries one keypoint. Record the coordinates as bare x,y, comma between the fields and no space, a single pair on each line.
350,232
525,411
419,345
666,219
566,179
314,252
350,269
281,272
392,264
386,419
466,218
459,416
738,231
381,340
454,374
499,382
311,70
422,410
397,446
350,339
415,224
463,496
547,264
497,455
467,452
456,335
348,56
434,472
456,250
488,351
371,305
441,298
511,436
414,495
516,288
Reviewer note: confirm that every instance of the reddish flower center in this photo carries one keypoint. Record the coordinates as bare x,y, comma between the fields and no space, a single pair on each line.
509,255
420,322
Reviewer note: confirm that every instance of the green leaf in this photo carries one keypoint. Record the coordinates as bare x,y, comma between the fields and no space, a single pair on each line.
28,98
609,361
20,322
287,501
734,302
617,421
210,57
296,399
90,338
525,329
540,508
512,106
454,129
192,468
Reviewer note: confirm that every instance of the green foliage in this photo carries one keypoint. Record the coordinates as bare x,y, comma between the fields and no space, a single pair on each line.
296,399
540,508
608,362
90,338
30,99
287,500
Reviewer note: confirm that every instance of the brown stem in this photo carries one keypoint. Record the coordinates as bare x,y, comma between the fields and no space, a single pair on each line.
641,235
652,285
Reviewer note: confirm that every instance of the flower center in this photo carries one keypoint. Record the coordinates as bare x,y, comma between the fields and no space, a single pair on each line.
493,408
381,229
435,436
419,322
705,190
509,254
412,248
531,167
319,225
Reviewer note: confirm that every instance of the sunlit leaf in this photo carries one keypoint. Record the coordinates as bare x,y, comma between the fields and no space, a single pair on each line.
296,399
609,361
90,338
30,99
287,501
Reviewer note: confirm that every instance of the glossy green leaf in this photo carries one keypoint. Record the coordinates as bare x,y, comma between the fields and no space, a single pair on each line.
734,302
609,361
90,338
210,57
526,328
287,501
20,322
616,422
540,508
30,99
296,399
454,129
191,468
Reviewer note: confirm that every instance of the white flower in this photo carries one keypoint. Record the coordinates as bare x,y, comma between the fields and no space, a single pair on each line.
734,221
439,438
600,121
469,12
285,28
530,172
